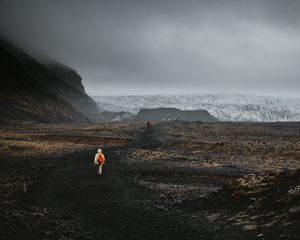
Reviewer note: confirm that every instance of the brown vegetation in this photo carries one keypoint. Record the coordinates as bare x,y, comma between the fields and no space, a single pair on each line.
210,181
42,140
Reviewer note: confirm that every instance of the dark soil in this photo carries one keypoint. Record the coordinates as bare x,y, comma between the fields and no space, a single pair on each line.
68,200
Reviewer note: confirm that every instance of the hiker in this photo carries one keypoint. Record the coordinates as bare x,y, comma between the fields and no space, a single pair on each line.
99,161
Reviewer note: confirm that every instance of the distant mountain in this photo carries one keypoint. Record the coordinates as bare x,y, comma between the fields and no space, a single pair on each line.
116,116
225,107
161,114
22,98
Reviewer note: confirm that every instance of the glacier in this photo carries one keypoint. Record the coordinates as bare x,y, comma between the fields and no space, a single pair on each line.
226,107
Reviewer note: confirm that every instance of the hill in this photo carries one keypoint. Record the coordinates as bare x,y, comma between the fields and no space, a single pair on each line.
58,81
160,114
31,91
23,99
65,73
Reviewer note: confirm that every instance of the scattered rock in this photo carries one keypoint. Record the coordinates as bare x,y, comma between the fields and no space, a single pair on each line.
295,191
250,227
240,222
213,216
287,224
37,214
294,210
267,225
251,207
283,236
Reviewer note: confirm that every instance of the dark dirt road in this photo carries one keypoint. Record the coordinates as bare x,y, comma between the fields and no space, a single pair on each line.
111,206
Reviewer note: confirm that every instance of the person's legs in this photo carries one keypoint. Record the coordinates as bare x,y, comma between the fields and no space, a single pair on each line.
100,169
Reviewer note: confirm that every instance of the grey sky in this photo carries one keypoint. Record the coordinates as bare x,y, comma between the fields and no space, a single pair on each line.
175,46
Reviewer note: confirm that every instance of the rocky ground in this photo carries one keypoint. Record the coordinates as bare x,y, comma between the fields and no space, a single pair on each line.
53,140
171,181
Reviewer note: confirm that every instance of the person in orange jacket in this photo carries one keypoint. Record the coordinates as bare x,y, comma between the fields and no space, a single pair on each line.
99,161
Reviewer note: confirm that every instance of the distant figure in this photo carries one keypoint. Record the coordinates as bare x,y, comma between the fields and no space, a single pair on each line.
99,161
148,124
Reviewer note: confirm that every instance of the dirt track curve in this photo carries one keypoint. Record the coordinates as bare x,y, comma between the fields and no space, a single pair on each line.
79,204
111,206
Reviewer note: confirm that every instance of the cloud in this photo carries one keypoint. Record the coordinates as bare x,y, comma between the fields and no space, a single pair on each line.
142,47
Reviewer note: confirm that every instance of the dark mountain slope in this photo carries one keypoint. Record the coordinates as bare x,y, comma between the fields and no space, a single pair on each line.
22,98
72,90
65,73
159,114
53,81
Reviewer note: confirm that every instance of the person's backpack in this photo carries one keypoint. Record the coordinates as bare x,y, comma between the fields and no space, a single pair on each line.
100,159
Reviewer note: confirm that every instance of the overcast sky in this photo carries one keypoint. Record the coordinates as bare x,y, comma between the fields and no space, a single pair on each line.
161,47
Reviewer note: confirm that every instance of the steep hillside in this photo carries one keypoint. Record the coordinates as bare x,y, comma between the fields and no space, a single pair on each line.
59,79
160,114
65,73
22,98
